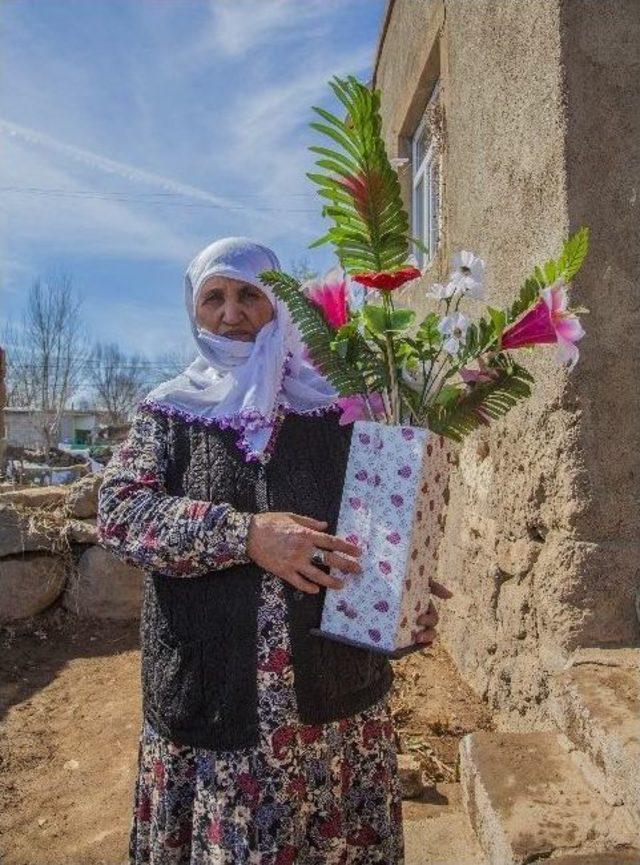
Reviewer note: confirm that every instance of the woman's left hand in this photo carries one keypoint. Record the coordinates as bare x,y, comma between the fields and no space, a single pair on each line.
430,619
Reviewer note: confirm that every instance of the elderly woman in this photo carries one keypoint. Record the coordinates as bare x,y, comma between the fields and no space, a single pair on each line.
261,743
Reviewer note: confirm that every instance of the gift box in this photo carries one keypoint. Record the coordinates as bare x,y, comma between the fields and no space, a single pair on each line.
392,506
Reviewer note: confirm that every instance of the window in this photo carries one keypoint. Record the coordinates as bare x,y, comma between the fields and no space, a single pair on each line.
425,161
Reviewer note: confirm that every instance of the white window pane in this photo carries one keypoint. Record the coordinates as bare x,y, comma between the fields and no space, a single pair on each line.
418,215
426,203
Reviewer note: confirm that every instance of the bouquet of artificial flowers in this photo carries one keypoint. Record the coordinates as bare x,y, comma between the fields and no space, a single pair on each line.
408,386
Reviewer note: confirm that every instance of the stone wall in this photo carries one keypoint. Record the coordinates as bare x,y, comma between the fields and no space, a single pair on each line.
49,554
541,130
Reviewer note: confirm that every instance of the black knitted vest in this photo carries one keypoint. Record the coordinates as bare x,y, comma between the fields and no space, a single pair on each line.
199,635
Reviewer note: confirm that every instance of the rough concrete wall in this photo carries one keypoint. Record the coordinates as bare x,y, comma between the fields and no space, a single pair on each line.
601,54
542,526
408,65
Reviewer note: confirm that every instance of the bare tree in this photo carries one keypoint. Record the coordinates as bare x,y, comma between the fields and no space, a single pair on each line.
300,270
46,354
118,380
18,382
170,363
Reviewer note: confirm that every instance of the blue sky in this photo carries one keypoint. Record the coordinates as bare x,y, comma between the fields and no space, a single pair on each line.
134,132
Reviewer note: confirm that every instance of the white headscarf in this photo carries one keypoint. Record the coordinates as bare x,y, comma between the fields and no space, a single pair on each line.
247,385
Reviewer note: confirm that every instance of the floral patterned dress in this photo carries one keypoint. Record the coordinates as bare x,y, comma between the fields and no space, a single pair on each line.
325,794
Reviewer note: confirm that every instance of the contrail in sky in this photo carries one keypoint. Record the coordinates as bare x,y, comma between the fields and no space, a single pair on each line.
109,166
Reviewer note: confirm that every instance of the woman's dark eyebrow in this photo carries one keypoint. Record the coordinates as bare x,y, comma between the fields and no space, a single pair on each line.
209,291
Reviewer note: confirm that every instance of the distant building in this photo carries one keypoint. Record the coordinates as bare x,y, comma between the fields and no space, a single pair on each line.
76,426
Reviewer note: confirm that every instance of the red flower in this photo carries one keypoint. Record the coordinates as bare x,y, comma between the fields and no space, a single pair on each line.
332,826
143,811
286,855
346,774
249,785
297,786
371,731
310,733
364,837
387,279
281,739
158,771
276,662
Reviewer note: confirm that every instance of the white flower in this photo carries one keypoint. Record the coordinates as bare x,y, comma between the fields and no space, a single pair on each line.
468,274
441,292
454,327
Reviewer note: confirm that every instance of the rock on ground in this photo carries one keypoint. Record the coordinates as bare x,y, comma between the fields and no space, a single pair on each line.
82,499
29,585
104,587
20,534
48,497
82,531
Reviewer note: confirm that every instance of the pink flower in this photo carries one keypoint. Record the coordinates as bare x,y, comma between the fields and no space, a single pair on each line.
354,407
548,322
330,295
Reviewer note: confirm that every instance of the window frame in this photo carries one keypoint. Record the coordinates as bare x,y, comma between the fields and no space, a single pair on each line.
429,173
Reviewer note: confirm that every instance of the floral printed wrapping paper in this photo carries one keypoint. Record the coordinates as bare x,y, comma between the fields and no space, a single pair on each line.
392,505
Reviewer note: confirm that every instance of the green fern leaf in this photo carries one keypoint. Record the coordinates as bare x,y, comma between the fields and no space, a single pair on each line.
485,400
574,253
371,226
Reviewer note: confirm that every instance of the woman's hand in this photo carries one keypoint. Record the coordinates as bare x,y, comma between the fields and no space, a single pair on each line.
430,619
283,543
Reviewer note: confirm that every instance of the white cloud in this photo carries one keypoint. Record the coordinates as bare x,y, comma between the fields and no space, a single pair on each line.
272,134
237,27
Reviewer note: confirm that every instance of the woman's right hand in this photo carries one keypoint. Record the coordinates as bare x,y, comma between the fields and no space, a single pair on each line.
283,543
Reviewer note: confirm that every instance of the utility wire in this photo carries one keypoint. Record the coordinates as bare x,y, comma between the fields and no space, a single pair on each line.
140,194
146,198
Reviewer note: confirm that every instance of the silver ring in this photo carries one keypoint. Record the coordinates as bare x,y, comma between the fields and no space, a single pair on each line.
318,557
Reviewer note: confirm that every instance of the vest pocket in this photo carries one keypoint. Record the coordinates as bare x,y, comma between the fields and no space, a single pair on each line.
176,682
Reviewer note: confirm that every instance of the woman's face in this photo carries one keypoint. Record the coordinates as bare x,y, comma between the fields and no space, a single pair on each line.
232,308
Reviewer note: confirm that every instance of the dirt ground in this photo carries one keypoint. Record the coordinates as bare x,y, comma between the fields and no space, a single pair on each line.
69,725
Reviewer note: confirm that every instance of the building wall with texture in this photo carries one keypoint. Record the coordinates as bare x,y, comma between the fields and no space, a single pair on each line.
541,134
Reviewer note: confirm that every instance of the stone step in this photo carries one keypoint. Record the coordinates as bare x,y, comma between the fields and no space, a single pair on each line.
595,702
437,830
527,800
